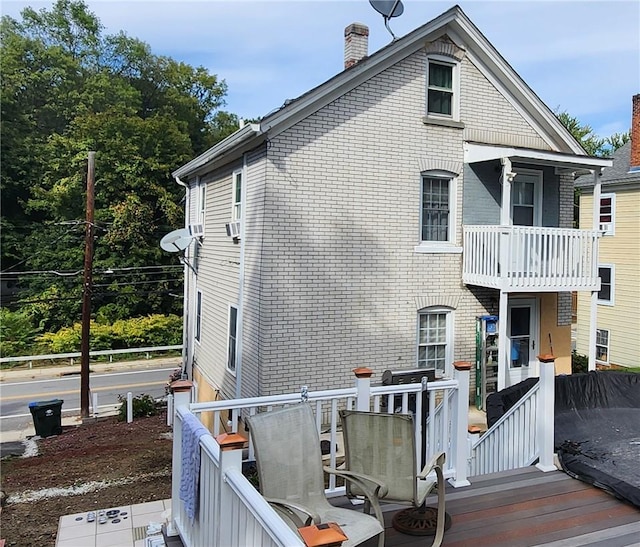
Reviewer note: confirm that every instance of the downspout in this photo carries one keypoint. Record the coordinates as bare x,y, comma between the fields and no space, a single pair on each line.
593,310
186,348
240,330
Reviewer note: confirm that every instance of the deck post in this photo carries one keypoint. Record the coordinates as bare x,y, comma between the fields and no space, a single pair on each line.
363,388
231,445
461,447
546,413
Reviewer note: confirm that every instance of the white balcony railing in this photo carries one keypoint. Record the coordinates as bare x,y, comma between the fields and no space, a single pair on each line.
530,258
233,513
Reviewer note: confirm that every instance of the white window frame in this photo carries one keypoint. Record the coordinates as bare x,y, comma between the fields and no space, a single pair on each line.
611,225
197,334
612,276
455,88
232,369
606,345
447,246
236,204
538,189
449,338
202,201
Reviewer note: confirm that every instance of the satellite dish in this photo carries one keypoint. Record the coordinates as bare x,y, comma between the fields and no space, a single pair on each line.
388,9
175,241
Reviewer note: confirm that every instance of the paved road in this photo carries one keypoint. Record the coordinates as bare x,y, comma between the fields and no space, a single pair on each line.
106,380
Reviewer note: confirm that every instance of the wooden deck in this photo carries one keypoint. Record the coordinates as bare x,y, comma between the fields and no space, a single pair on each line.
527,507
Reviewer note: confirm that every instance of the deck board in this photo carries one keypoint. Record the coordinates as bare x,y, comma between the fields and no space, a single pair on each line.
529,508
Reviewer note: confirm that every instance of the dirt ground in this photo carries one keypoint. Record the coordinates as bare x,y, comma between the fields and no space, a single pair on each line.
131,463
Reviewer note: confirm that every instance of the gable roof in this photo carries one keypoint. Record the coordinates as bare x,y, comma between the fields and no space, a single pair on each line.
618,174
458,27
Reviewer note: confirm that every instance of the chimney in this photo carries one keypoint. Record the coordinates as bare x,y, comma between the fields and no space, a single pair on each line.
635,134
356,44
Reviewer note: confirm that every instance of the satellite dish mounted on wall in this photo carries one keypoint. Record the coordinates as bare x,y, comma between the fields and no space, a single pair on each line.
388,9
176,241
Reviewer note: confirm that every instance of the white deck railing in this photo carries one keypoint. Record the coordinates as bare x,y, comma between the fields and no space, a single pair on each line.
530,258
511,442
523,434
227,499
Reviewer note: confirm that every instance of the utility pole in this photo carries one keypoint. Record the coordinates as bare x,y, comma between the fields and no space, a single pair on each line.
86,290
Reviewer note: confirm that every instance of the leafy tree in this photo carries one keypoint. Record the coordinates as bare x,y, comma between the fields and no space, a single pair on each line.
593,145
67,88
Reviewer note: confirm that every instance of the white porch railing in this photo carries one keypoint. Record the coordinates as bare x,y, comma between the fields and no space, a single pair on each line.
524,434
531,258
227,499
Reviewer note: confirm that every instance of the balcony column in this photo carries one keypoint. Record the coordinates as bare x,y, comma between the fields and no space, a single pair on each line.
503,346
231,445
593,315
507,179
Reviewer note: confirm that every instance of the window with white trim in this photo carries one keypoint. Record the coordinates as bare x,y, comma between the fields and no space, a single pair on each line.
602,346
435,340
202,201
606,272
198,333
442,88
232,345
435,214
607,214
237,195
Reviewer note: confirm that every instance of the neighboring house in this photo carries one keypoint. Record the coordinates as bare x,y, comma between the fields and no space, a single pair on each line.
617,329
372,220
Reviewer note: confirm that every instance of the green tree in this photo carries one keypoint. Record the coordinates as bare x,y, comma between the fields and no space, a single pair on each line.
67,88
592,144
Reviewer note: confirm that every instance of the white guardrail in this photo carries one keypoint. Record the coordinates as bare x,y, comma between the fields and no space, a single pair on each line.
232,513
97,353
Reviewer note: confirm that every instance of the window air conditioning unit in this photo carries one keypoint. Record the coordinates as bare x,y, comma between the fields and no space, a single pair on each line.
196,230
233,229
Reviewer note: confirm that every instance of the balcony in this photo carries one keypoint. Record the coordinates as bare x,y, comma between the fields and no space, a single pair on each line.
530,258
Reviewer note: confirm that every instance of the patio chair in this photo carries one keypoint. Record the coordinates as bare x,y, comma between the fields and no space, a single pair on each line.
383,446
290,473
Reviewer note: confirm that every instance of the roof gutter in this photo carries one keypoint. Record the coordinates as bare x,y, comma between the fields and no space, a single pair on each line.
242,135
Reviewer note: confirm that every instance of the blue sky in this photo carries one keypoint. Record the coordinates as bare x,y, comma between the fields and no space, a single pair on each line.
582,57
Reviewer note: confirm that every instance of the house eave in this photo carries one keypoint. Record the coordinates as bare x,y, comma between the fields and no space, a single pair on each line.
478,152
235,140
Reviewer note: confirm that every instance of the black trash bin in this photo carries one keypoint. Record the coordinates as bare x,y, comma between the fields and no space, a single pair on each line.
47,417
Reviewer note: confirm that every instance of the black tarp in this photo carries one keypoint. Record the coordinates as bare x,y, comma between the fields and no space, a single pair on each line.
597,427
597,430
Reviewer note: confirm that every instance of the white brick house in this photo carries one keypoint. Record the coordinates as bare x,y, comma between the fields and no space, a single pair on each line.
378,215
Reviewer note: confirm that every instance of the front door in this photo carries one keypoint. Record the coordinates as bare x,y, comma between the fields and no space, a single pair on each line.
522,329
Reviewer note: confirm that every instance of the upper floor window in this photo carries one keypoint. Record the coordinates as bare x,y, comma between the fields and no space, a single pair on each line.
232,340
435,340
202,201
237,195
606,274
440,89
607,214
436,209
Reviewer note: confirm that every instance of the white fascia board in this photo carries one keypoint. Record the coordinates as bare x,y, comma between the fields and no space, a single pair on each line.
349,79
488,58
229,143
475,152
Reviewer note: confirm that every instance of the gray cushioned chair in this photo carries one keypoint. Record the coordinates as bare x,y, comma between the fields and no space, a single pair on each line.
290,471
